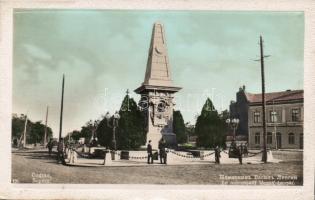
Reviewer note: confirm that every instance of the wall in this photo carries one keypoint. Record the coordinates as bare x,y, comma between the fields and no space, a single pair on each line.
283,126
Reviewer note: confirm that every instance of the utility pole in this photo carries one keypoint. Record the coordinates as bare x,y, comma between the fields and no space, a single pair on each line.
24,134
45,138
264,154
61,109
275,126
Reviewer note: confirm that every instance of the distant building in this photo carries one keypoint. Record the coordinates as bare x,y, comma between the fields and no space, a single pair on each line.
284,118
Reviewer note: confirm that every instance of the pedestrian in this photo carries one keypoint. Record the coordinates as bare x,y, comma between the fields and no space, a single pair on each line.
162,151
15,142
217,155
60,150
245,149
150,155
239,151
50,146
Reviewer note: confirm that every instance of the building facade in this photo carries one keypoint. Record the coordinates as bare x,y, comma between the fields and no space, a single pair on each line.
284,118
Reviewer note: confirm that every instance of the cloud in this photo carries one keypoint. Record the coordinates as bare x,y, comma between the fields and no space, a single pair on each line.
36,52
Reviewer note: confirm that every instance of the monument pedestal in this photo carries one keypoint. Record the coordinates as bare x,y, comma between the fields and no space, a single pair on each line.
155,138
170,139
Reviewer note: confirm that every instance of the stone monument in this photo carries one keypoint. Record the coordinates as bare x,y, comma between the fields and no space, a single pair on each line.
157,91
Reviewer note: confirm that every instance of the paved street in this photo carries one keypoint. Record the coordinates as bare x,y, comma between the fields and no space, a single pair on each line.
38,167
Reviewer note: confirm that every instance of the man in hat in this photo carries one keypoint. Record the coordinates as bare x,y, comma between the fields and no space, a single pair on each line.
150,155
217,155
163,155
239,151
50,146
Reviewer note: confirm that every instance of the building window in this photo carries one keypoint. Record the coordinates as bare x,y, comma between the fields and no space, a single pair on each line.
291,138
257,138
256,117
278,141
273,116
295,114
269,138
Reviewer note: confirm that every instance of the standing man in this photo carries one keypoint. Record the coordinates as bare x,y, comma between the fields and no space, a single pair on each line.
217,155
50,146
60,154
150,155
162,152
239,151
246,149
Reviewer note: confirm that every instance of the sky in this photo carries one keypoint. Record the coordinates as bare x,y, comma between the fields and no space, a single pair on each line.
104,52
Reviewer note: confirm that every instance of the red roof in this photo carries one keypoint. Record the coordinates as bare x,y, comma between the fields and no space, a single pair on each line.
276,96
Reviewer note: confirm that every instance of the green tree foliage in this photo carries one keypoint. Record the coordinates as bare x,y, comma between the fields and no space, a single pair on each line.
86,132
179,127
35,131
224,115
75,135
210,127
189,129
105,133
131,131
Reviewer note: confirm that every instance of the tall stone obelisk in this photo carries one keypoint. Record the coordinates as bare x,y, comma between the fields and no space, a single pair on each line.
157,91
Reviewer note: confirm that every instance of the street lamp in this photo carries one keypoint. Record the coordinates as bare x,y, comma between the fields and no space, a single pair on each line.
94,135
233,123
116,117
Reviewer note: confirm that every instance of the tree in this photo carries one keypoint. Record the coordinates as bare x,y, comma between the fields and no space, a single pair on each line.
35,132
75,135
179,127
224,115
189,129
210,128
87,130
130,133
104,133
18,125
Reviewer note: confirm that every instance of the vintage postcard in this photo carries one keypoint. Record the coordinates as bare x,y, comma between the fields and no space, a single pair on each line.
155,99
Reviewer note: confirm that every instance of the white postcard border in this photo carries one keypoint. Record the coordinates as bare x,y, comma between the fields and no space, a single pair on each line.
105,191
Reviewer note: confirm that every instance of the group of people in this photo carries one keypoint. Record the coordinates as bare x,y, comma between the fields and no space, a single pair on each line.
239,151
217,154
60,150
162,152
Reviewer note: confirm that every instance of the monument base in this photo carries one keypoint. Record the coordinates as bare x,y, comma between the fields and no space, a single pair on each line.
170,139
155,138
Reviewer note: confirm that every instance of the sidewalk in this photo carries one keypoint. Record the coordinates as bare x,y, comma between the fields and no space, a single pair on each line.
172,159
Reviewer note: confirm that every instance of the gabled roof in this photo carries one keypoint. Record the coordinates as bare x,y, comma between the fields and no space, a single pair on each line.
276,96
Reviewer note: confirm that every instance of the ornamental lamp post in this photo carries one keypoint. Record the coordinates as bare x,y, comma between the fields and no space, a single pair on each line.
94,130
233,123
116,117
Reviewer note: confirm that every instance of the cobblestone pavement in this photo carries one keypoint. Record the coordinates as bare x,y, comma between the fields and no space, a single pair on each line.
38,167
